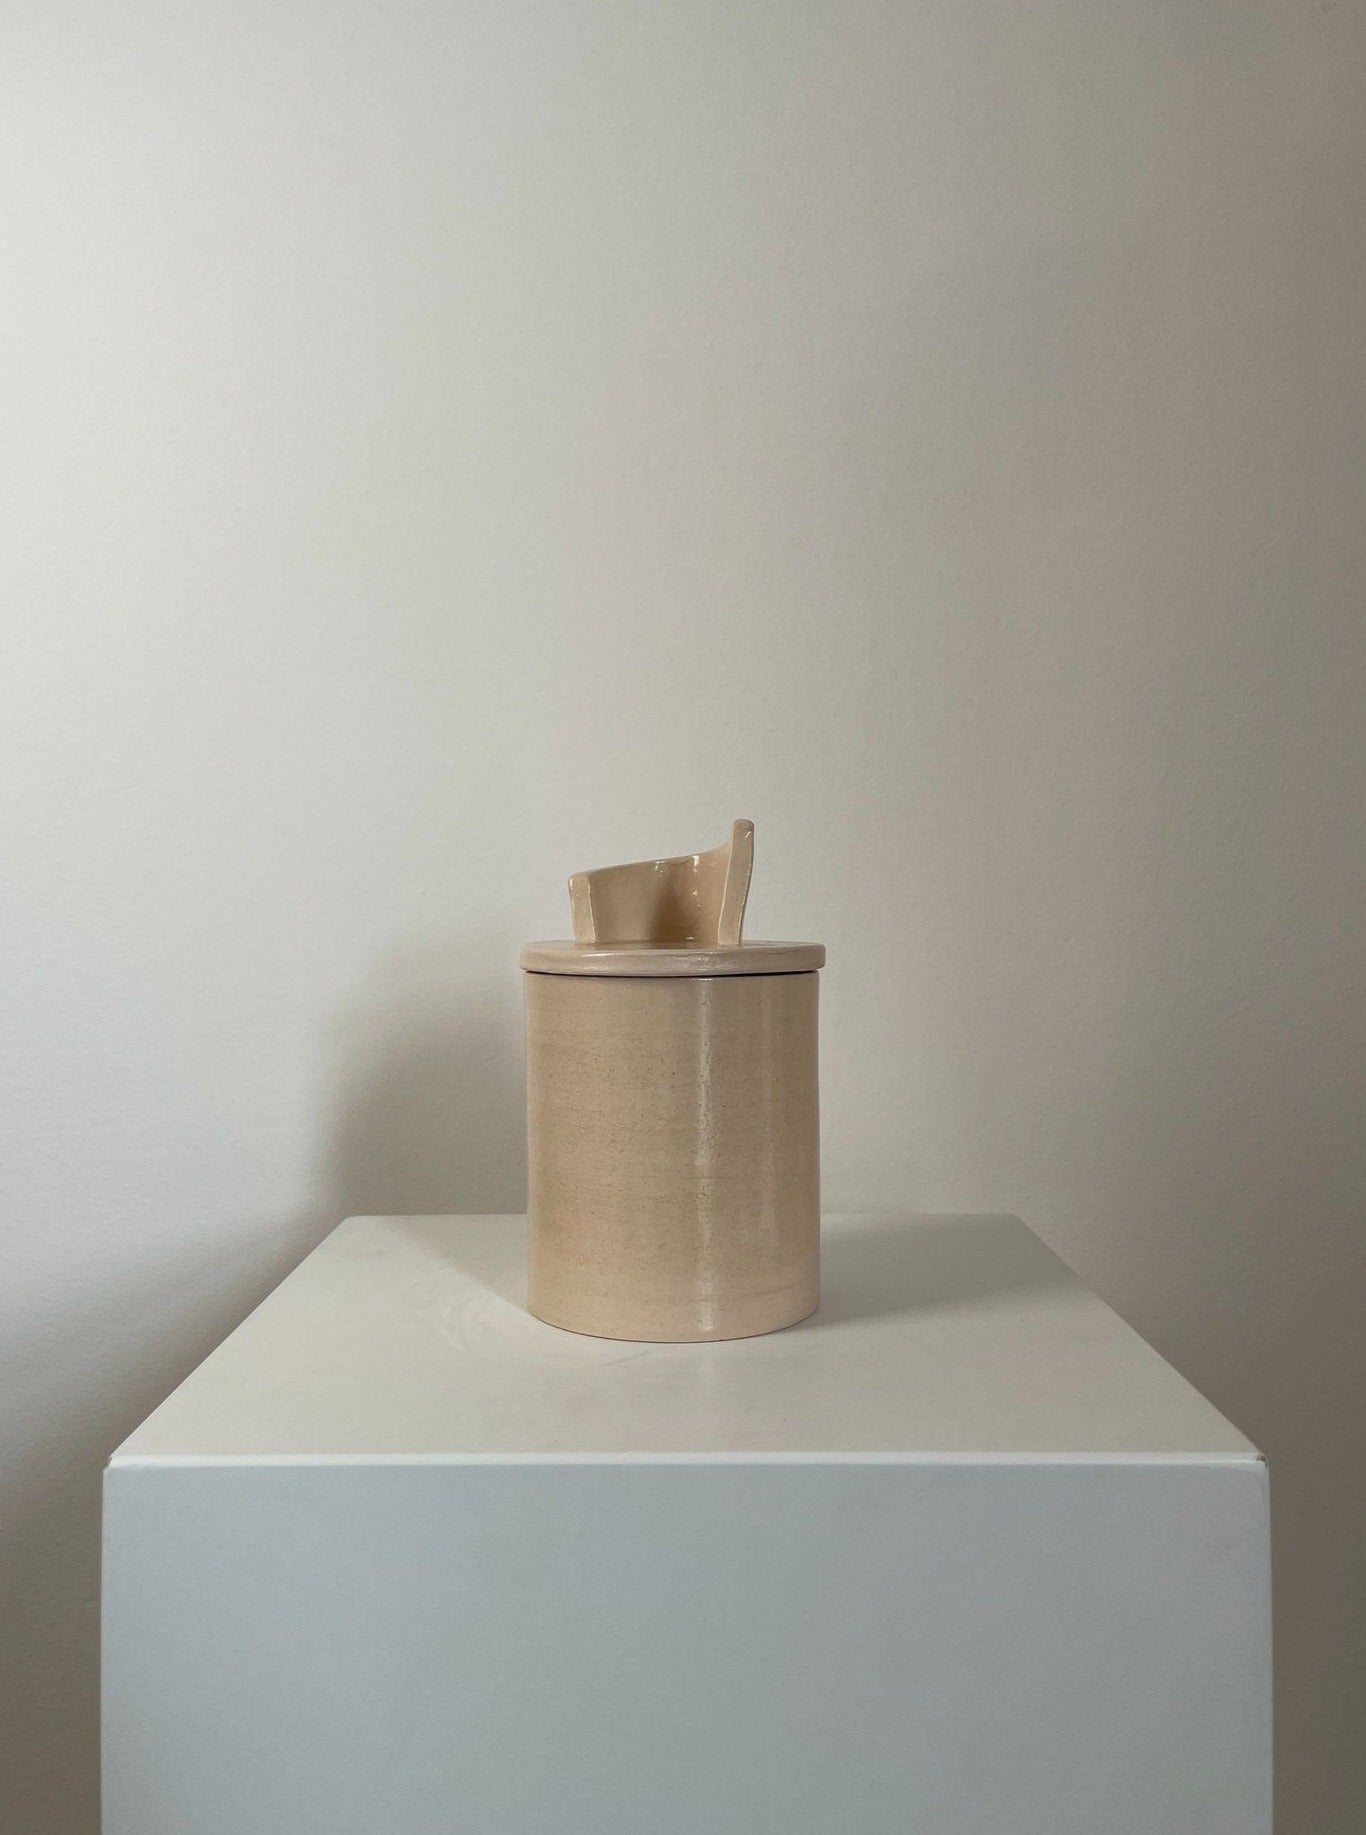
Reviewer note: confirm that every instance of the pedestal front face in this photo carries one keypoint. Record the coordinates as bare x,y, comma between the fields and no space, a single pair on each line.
686,1649
673,1154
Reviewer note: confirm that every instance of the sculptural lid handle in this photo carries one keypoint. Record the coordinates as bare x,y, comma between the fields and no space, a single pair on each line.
690,898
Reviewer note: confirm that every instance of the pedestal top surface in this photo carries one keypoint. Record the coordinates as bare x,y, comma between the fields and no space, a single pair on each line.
939,1338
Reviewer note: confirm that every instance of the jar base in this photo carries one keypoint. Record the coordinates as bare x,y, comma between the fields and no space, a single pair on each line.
754,1321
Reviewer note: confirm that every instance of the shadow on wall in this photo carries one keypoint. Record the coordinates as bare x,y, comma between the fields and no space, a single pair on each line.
428,1115
87,1378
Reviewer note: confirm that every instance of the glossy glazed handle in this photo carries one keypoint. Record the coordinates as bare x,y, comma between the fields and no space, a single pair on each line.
690,898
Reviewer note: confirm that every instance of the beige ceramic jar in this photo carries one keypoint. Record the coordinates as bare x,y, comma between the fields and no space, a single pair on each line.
672,1110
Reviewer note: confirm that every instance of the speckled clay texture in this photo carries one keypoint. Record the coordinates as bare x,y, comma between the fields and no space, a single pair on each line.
673,1153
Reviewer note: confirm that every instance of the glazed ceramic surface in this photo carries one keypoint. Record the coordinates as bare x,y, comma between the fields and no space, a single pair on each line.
673,1138
692,898
674,1163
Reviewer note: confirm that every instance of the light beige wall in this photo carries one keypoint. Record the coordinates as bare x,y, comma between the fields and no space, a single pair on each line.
449,445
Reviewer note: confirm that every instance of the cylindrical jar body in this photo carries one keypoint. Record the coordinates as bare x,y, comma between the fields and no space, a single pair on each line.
673,1154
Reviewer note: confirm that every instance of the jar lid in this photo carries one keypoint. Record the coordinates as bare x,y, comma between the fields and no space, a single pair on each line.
672,959
679,916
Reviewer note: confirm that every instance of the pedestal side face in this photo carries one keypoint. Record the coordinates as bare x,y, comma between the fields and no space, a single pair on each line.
673,1154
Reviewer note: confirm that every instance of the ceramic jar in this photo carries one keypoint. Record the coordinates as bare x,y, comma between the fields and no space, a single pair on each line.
672,1127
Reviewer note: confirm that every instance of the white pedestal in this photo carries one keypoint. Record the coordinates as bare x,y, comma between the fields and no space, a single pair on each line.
959,1555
